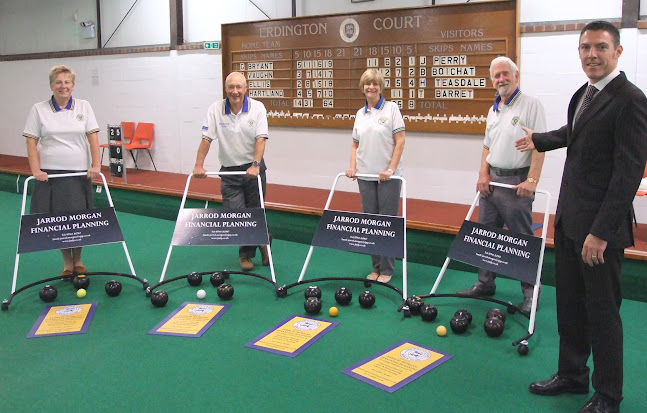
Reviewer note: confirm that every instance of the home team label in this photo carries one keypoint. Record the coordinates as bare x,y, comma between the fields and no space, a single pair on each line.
435,62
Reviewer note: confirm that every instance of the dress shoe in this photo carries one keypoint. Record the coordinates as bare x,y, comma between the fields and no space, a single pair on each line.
246,264
558,385
600,404
478,290
526,305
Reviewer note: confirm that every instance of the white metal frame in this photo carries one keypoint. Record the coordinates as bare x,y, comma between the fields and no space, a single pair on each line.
535,294
22,212
186,190
403,195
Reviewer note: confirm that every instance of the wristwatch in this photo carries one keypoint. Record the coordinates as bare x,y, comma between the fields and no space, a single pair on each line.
256,163
532,180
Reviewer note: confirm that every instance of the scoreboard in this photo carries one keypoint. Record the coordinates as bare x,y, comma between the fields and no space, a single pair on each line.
435,61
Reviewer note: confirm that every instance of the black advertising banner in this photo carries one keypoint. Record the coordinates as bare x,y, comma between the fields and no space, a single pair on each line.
205,226
42,232
363,233
505,252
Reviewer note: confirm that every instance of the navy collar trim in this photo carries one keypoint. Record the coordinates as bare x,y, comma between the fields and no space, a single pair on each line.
228,107
379,106
56,108
509,102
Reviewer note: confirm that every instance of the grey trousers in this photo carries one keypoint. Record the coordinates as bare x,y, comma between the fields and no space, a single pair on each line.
238,191
380,198
505,207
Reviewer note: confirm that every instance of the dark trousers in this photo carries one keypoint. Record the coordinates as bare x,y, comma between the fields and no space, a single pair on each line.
380,198
588,316
505,207
239,191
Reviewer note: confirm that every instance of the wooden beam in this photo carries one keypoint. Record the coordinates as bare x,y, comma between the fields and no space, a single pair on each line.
630,14
177,23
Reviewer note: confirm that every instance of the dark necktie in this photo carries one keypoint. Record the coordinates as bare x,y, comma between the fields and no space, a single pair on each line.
588,97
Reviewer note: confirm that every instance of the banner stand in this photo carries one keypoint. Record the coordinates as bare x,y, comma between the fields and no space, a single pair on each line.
400,222
14,292
215,242
521,342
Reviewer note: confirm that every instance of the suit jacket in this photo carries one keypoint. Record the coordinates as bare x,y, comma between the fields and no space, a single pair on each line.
605,160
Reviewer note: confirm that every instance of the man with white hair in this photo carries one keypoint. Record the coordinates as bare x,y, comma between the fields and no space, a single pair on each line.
501,162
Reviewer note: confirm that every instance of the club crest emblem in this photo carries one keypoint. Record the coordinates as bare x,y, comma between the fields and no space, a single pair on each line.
349,30
79,117
515,121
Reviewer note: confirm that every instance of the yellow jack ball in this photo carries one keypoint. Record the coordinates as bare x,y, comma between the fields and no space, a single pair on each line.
333,311
441,331
80,293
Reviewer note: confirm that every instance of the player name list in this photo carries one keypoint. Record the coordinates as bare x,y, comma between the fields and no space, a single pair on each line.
440,82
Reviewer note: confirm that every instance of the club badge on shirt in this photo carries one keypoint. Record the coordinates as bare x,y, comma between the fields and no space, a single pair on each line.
79,117
515,120
382,121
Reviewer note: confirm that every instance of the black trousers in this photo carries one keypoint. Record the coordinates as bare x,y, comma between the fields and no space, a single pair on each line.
588,316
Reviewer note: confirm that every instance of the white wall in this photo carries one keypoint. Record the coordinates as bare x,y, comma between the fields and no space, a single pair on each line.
174,89
201,23
147,23
31,26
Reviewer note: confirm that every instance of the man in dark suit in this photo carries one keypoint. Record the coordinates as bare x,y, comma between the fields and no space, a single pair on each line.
606,141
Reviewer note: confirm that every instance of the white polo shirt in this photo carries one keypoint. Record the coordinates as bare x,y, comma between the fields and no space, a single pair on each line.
62,133
503,128
373,130
236,134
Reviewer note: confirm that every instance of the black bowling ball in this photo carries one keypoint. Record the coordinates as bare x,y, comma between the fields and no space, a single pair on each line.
313,291
113,288
194,279
159,298
493,327
343,296
81,281
459,325
217,278
464,313
366,299
428,312
48,293
415,303
225,291
312,305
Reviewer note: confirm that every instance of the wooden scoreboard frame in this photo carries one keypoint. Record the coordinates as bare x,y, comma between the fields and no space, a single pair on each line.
435,61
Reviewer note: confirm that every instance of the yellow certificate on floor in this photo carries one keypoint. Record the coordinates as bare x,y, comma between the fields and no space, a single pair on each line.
397,366
190,320
58,320
292,336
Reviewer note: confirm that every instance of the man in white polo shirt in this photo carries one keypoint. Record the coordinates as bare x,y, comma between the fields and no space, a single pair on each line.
500,163
239,123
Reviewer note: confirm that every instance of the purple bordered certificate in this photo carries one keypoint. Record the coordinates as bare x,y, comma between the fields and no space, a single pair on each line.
190,320
397,366
292,335
60,320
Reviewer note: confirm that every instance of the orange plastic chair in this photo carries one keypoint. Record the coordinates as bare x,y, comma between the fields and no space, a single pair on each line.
127,137
143,139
